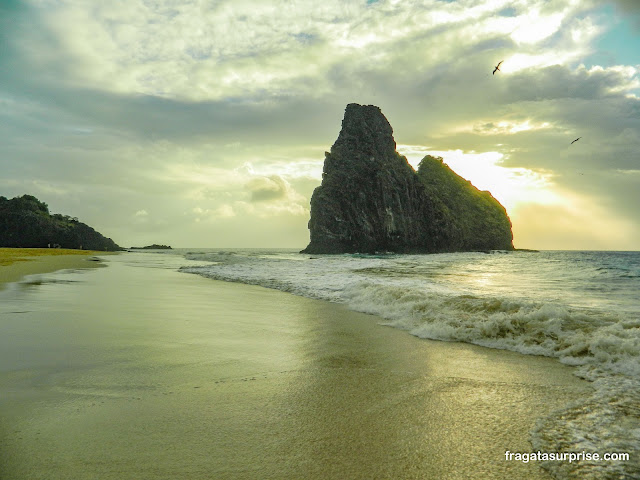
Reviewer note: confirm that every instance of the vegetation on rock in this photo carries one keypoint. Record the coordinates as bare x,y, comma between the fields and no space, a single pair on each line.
25,222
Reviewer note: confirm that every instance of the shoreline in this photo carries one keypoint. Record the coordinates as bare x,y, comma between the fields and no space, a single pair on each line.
17,263
187,377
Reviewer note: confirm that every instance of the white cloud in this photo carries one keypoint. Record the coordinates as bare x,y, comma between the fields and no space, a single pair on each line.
534,27
504,127
223,211
198,50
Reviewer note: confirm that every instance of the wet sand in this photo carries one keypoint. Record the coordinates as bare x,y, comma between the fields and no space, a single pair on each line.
16,263
131,372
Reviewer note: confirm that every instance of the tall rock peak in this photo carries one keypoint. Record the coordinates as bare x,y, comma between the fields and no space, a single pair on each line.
372,200
366,131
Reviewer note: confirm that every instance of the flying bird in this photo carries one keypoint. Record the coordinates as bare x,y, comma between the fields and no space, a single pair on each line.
575,140
497,67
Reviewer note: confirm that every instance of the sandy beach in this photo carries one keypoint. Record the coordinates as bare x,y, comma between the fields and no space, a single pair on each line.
135,372
16,263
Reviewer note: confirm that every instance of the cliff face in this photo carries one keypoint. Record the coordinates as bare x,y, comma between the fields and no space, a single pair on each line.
372,200
25,222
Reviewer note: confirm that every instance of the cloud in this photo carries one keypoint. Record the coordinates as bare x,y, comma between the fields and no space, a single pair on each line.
222,212
227,107
268,188
561,82
240,49
630,8
273,195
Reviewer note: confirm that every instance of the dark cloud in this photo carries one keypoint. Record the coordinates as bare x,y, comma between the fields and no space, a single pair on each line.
629,6
151,117
560,82
266,189
630,9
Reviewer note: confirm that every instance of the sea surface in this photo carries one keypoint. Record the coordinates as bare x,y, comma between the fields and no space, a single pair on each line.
581,307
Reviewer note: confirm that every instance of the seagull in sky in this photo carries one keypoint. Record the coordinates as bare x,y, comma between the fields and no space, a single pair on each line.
497,67
575,140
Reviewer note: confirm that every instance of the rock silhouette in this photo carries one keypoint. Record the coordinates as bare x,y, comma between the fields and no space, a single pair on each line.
371,200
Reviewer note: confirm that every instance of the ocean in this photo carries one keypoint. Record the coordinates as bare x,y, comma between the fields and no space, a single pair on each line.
581,307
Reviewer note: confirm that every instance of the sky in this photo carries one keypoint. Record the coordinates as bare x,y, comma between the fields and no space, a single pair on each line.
203,123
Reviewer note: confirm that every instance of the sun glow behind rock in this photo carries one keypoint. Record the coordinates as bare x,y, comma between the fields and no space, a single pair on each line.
543,213
510,186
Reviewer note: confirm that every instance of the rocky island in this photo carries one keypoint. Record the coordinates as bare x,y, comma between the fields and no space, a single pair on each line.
371,200
155,246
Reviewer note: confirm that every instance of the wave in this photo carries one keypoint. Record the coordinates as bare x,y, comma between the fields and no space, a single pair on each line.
588,338
430,300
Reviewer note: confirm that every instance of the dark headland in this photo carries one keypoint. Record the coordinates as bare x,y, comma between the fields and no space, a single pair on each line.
25,222
371,200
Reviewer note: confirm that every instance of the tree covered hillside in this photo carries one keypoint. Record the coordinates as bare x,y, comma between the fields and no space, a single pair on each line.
26,222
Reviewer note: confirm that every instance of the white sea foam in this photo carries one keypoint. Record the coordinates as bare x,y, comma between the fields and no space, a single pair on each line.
579,307
576,337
